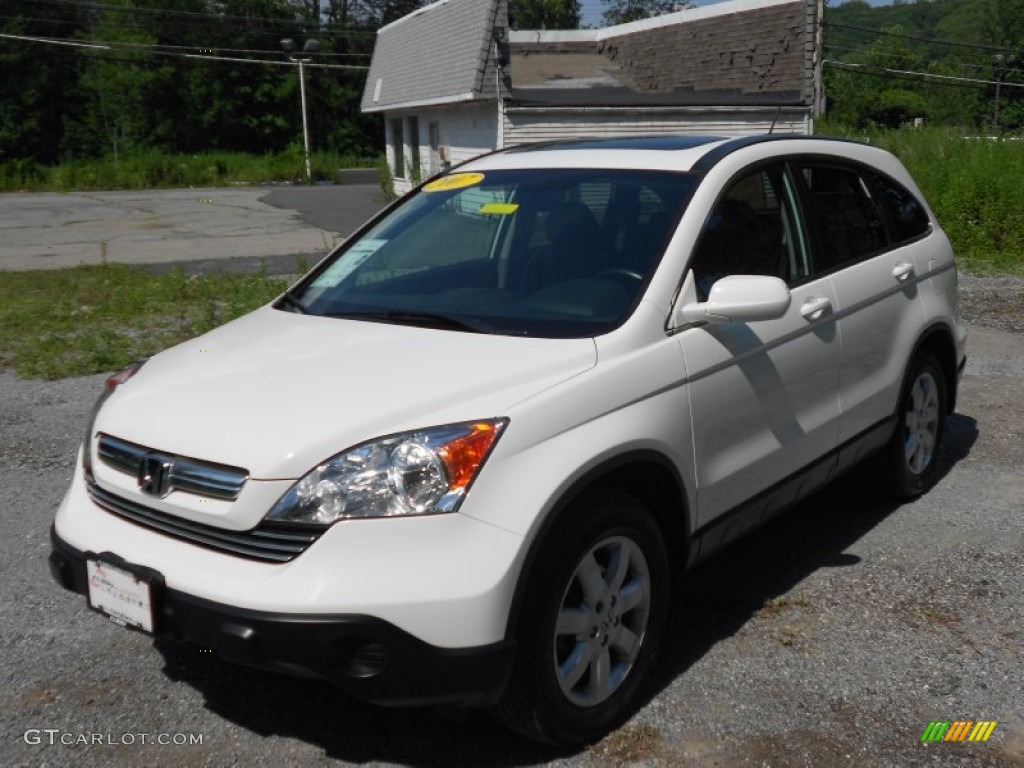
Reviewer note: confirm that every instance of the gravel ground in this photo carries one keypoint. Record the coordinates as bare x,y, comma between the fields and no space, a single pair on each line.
832,637
993,302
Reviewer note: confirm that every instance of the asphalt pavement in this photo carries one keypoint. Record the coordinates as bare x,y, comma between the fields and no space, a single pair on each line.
224,228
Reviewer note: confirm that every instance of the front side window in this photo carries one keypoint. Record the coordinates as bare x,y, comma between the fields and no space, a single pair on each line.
553,253
752,230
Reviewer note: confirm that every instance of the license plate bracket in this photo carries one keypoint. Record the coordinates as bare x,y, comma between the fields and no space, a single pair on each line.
126,594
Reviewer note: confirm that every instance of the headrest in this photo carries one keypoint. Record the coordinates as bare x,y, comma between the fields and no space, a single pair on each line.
571,223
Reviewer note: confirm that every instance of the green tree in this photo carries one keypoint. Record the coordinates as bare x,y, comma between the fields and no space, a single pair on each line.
37,81
1004,23
120,84
623,11
377,13
878,91
894,107
544,14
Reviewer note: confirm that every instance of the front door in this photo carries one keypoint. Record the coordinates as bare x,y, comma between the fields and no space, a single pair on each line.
763,395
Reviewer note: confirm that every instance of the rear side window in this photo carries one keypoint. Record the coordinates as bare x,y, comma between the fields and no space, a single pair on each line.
907,218
848,217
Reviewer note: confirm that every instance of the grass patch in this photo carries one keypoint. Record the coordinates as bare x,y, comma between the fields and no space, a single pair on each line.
149,170
90,319
778,605
629,744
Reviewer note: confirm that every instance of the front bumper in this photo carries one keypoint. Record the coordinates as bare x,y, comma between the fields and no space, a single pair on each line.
365,656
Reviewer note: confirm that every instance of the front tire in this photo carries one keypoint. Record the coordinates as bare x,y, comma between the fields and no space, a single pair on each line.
912,457
593,614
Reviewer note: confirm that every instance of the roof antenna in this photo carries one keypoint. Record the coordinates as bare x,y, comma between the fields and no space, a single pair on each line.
778,111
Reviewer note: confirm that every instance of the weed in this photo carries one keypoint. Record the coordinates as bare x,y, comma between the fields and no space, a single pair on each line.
629,744
386,179
98,318
152,169
778,605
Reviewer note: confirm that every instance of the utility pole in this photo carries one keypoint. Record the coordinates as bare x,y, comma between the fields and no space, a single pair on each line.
309,48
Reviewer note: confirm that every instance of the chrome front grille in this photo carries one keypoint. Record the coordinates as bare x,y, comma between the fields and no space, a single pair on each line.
202,478
272,543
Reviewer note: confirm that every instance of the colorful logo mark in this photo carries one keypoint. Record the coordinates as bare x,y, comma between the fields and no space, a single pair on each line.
959,730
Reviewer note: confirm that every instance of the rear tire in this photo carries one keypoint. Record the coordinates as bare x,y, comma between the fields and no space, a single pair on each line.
592,617
911,460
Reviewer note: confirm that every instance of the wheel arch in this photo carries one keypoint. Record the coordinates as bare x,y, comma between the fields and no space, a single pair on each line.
647,475
938,340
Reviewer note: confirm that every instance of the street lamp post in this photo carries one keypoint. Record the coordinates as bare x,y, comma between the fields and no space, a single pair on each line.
308,49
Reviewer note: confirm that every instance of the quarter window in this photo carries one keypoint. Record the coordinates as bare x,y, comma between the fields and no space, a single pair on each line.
907,216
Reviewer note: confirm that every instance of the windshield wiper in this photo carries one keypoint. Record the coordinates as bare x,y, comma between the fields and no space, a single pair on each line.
288,299
427,319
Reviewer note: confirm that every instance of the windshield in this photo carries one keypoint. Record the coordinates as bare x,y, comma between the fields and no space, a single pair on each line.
550,253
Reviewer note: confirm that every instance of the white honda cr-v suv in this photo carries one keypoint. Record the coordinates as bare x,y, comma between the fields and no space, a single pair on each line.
457,462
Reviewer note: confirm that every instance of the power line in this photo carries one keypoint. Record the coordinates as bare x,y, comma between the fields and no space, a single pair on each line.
153,51
919,38
927,77
204,17
218,49
944,62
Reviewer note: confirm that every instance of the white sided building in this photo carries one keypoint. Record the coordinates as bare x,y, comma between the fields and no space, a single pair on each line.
452,82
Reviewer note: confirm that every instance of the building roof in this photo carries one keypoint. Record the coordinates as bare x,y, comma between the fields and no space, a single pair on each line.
739,53
734,53
439,54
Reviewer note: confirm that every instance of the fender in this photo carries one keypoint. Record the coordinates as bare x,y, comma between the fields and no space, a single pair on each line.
668,502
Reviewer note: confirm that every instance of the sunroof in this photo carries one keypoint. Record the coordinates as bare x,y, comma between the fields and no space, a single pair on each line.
664,143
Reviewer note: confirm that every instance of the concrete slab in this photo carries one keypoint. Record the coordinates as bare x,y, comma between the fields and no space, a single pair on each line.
155,227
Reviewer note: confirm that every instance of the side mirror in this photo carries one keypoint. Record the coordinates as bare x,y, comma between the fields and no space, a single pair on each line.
736,298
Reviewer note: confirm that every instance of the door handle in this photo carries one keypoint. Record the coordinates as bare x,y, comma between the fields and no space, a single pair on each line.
903,271
815,308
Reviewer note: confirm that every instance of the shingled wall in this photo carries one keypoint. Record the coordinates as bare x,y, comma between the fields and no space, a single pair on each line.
754,51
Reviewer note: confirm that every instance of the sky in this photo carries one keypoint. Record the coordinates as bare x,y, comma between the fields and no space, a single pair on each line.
592,10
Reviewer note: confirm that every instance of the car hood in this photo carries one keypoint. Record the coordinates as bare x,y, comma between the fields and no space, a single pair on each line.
277,393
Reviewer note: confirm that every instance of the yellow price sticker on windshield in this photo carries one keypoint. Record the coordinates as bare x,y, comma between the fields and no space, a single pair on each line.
455,181
499,209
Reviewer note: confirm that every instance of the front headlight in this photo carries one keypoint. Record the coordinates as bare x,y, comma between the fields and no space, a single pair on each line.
415,473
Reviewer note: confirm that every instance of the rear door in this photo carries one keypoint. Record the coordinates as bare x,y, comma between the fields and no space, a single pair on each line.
867,231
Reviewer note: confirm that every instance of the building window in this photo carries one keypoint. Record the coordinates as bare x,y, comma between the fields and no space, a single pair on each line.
398,148
414,149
